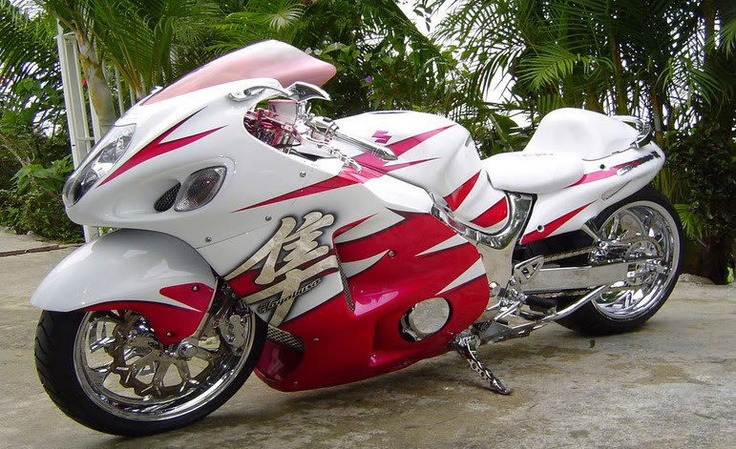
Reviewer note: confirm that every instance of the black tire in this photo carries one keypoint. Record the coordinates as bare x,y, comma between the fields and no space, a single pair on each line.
599,317
57,365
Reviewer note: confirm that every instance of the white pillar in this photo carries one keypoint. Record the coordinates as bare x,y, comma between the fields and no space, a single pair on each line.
76,108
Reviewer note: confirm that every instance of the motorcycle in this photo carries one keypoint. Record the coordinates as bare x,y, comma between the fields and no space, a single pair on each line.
254,236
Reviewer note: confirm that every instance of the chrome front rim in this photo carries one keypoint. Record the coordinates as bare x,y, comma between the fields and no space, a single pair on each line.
651,233
123,368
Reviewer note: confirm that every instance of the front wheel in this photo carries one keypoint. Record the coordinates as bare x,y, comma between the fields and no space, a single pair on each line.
107,371
650,224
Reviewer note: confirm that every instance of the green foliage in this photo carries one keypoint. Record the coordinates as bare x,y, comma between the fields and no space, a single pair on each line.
382,60
703,161
34,202
28,48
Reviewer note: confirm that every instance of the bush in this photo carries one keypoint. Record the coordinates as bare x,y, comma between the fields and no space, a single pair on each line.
703,161
33,203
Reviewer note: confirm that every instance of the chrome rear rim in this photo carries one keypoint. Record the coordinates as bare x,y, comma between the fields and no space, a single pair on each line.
656,235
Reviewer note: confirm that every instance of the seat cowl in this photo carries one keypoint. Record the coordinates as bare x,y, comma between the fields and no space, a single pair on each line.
589,135
533,172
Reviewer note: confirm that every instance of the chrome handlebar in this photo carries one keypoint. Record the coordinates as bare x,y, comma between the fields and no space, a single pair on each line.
329,129
301,93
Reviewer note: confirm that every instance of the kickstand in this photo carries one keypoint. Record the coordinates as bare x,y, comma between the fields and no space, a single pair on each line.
466,346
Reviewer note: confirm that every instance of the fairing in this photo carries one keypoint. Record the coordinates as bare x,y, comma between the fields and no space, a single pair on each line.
155,274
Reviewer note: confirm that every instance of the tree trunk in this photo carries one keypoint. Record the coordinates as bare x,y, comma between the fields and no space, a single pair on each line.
657,117
99,92
621,107
710,258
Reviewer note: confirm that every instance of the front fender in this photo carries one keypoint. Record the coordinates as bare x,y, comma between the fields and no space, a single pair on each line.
157,275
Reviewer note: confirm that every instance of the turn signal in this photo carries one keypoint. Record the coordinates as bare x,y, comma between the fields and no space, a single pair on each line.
199,189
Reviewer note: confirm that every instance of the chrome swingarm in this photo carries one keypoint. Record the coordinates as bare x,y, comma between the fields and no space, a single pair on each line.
526,302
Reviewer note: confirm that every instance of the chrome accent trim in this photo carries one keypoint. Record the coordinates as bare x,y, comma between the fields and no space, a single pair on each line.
495,331
520,206
301,92
590,228
645,131
329,129
467,346
245,94
425,319
574,306
526,271
497,249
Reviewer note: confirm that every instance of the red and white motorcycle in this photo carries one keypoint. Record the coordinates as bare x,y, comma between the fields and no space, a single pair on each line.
254,236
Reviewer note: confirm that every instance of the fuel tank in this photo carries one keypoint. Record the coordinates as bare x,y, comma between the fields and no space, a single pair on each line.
436,154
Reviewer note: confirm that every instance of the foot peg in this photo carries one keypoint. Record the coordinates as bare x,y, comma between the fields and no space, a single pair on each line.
466,346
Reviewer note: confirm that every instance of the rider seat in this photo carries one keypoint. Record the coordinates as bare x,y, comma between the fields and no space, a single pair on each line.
555,155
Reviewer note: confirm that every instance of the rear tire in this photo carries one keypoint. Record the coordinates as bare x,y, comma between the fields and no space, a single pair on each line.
645,213
100,369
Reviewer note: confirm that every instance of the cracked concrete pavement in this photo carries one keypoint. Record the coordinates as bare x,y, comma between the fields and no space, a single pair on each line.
671,384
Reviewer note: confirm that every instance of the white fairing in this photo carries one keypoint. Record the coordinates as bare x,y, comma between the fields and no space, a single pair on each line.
586,134
577,163
441,158
126,265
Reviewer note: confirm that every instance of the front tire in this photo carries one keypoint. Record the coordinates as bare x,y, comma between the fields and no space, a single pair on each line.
648,216
107,371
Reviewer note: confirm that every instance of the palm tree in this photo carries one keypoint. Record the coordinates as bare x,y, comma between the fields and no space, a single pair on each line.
673,61
621,56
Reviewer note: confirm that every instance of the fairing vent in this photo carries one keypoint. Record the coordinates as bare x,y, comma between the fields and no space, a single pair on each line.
166,200
285,339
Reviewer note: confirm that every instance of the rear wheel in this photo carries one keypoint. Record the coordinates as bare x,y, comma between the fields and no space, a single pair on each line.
108,371
650,225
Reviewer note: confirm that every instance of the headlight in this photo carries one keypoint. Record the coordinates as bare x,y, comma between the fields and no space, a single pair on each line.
97,163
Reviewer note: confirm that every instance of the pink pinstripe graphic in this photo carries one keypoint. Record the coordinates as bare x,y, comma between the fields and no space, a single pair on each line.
336,182
456,198
158,147
552,226
493,215
399,148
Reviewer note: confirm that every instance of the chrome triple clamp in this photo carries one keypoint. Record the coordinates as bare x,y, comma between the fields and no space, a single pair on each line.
466,346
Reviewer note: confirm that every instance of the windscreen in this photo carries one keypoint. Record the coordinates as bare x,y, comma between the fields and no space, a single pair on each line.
267,59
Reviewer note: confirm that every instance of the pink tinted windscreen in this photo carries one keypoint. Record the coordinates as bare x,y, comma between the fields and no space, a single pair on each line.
267,59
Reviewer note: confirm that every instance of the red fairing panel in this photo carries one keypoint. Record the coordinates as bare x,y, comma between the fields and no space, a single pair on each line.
344,345
170,323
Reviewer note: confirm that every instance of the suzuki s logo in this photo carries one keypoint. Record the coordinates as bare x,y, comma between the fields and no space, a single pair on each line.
381,137
290,263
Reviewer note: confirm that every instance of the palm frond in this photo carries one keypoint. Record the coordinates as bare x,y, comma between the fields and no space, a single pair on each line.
28,47
728,37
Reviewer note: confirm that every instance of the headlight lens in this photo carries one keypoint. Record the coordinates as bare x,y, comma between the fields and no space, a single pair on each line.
98,163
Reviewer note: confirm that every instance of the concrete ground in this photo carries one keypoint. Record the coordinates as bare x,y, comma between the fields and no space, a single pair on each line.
671,384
